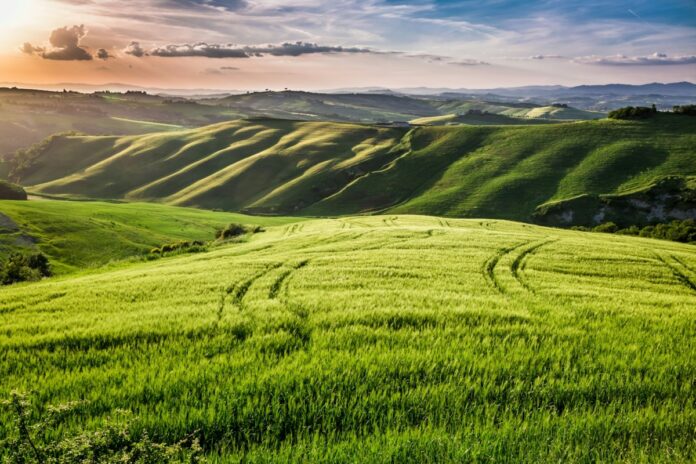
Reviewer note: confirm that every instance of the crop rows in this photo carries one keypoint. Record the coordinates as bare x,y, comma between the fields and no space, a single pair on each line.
378,339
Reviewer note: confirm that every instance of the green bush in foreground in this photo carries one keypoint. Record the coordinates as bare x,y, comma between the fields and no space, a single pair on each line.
38,438
20,267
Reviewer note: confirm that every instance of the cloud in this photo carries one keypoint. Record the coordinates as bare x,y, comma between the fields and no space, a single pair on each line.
229,5
203,49
103,54
546,57
66,45
134,49
656,59
200,49
220,71
29,49
469,62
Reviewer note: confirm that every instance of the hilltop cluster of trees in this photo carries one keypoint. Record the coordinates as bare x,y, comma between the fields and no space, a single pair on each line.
21,267
633,112
688,110
642,112
683,231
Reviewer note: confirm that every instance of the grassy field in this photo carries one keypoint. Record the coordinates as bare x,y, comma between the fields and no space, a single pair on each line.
378,339
272,166
77,235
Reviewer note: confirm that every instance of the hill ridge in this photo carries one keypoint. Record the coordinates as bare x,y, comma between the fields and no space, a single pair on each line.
268,166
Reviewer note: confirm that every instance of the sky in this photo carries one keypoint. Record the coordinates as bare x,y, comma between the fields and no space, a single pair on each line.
319,45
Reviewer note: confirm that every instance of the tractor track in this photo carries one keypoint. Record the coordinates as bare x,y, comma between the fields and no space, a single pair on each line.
678,273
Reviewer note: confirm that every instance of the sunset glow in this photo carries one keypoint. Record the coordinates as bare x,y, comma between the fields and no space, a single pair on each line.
245,44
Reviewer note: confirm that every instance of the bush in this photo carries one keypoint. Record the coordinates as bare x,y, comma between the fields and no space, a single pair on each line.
40,438
608,227
20,268
633,112
183,247
235,230
683,231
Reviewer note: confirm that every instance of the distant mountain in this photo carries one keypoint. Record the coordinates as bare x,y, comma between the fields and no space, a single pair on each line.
120,87
681,89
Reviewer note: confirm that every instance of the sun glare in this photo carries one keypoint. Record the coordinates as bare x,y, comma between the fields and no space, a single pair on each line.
16,13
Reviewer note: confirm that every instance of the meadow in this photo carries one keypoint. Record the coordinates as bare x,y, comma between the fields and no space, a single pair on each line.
77,235
389,338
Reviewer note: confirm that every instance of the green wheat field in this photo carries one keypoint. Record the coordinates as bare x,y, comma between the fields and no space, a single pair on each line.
392,338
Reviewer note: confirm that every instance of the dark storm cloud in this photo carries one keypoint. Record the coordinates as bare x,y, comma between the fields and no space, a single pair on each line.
246,51
66,45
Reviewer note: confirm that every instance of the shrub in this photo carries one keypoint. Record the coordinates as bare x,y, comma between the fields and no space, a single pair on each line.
183,247
231,230
677,231
608,227
39,438
20,268
235,230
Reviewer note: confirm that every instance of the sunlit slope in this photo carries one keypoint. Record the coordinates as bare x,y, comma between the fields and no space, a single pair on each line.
379,339
505,172
78,235
281,167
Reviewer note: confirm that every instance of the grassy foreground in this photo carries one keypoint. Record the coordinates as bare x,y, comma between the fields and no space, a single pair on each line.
379,339
77,235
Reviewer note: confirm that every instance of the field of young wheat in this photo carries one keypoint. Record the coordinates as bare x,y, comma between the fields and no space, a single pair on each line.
377,339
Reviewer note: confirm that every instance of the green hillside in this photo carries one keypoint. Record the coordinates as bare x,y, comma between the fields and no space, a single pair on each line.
320,168
376,339
478,119
28,116
78,235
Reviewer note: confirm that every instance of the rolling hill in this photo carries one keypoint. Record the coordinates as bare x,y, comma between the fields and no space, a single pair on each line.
375,339
267,166
375,107
28,116
81,235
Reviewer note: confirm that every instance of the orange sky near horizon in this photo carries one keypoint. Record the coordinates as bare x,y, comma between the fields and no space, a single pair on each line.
485,58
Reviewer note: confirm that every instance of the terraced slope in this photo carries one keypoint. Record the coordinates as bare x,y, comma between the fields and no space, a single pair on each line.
378,339
79,235
312,168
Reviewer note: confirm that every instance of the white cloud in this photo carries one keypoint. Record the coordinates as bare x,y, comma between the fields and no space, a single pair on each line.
656,59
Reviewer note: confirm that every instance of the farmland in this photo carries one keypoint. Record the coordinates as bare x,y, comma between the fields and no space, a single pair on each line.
388,338
77,235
